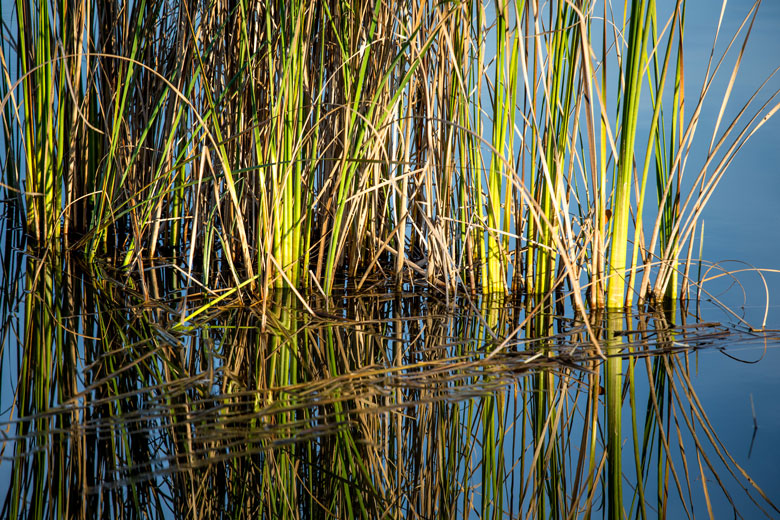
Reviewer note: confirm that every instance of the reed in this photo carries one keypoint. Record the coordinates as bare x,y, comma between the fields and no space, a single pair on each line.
307,145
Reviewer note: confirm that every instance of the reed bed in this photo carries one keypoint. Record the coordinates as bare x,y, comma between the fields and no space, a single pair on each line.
197,183
491,147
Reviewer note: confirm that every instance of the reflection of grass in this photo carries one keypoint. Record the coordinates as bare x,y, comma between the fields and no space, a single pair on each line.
400,408
264,145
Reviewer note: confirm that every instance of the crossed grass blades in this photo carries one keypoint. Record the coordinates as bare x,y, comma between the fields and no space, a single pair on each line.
300,144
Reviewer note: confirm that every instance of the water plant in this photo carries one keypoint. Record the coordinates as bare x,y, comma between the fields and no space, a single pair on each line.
270,145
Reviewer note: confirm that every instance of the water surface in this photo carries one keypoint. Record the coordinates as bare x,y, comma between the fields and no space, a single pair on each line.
379,405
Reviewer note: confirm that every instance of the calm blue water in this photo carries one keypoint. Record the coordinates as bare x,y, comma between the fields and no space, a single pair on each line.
742,223
741,219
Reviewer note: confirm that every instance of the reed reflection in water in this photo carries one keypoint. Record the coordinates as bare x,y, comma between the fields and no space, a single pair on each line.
380,406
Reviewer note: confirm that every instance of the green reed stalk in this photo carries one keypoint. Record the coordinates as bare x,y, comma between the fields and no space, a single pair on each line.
634,57
552,142
286,162
669,206
44,159
503,142
655,141
600,185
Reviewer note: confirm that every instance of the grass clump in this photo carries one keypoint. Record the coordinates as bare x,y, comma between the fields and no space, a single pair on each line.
259,146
